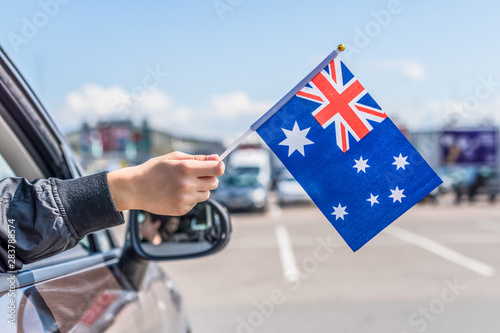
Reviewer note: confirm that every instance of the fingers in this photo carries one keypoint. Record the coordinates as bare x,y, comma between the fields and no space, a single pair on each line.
213,157
177,155
207,183
204,185
202,196
198,165
204,168
172,184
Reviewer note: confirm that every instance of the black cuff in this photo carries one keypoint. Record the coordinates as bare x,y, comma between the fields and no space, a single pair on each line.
87,204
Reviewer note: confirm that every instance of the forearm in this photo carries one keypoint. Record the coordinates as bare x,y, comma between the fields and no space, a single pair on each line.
49,216
87,203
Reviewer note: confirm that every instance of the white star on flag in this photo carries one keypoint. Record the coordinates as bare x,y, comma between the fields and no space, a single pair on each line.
400,161
397,195
361,164
296,139
373,199
339,212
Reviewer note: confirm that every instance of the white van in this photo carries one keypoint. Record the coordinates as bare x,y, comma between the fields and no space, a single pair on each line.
255,161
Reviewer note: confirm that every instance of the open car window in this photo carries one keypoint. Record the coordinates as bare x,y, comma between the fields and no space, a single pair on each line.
5,169
15,161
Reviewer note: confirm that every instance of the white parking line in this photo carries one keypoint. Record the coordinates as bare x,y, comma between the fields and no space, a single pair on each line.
441,250
288,262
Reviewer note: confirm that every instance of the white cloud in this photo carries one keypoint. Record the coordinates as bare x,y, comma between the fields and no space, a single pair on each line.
436,113
221,115
93,102
414,71
155,100
182,115
410,69
236,104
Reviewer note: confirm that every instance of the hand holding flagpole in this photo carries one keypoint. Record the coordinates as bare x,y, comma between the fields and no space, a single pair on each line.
281,102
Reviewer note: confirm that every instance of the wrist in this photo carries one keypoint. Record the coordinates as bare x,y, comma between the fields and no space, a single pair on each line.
122,188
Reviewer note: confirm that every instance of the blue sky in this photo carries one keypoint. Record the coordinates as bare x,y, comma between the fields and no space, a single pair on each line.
220,64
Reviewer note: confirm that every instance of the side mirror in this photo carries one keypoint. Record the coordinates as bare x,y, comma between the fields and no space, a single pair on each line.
206,229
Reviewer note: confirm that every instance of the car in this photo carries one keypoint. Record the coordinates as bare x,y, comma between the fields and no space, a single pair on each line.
481,181
97,286
289,191
252,159
491,186
470,181
242,191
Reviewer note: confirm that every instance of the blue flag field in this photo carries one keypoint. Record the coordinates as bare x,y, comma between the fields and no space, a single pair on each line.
351,159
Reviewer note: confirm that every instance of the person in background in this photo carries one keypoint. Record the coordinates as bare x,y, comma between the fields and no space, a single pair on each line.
157,229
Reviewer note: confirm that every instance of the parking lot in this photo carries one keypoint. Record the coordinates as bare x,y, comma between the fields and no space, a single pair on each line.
436,269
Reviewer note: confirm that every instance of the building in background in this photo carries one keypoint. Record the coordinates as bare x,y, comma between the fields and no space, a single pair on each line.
113,144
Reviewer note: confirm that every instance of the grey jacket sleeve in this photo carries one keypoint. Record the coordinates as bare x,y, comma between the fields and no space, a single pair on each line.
46,217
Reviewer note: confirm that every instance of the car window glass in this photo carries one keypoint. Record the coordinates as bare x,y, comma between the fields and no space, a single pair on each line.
5,169
85,242
243,180
103,243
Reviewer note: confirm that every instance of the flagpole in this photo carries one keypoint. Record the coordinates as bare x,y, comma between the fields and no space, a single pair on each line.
235,144
283,101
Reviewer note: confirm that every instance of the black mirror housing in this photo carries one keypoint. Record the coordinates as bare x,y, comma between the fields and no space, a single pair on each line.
205,230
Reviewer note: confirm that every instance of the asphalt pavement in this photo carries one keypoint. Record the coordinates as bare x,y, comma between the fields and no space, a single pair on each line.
436,269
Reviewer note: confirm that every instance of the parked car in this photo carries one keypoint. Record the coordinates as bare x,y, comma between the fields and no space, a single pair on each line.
96,286
470,182
481,181
242,191
289,191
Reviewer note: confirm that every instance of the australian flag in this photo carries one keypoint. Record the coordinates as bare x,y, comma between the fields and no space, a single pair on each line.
351,159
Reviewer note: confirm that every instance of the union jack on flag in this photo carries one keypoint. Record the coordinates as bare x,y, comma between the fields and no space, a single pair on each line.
343,101
373,178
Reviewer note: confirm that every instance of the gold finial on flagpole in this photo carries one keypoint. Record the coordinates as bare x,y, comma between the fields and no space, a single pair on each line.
341,47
